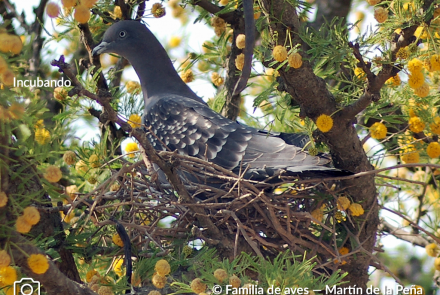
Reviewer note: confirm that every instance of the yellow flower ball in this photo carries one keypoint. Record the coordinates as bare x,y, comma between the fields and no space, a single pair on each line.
217,22
52,9
394,81
5,259
162,267
435,62
3,199
71,191
295,60
8,275
90,274
343,203
53,174
411,157
42,136
435,127
279,53
378,130
178,11
16,44
234,281
198,286
403,53
175,41
416,124
134,121
94,161
344,251
416,79
188,76
437,263
22,226
432,249
117,240
359,72
422,91
81,167
31,215
356,209
324,123
105,290
240,41
7,77
82,14
380,14
154,292
131,147
239,61
159,281
38,263
115,187
69,158
318,214
216,79
220,274
133,87
16,111
117,12
39,124
415,65
257,14
3,65
88,3
433,150
68,3
224,2
158,10
59,93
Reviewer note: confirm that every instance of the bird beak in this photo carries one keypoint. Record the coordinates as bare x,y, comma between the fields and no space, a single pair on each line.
100,48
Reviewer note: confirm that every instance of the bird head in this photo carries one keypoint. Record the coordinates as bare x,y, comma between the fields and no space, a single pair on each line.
120,38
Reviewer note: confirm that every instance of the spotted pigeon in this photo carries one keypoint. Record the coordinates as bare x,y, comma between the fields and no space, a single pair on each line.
184,122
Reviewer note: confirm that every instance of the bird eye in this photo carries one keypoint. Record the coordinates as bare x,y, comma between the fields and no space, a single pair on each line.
122,34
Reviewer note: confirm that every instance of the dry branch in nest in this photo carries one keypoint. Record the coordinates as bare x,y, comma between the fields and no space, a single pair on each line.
265,217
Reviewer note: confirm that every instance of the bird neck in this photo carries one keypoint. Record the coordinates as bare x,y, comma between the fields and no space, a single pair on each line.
157,74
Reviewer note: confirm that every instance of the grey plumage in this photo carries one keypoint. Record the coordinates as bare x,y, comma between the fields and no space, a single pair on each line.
183,122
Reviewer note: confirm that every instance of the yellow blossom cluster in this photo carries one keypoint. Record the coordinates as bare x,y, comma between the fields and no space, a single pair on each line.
216,79
324,123
38,263
134,121
198,286
356,209
157,10
219,25
3,199
187,76
380,14
279,53
53,174
24,222
178,11
239,61
378,130
416,78
220,274
162,269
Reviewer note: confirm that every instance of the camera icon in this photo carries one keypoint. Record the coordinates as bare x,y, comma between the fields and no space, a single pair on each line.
27,286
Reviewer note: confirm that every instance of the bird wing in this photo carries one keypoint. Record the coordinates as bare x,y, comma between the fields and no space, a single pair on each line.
193,129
